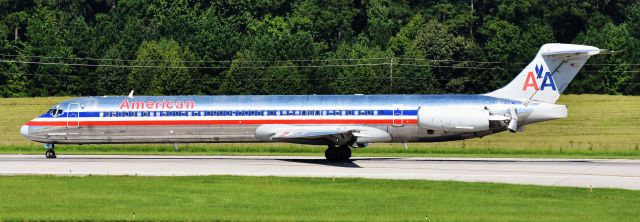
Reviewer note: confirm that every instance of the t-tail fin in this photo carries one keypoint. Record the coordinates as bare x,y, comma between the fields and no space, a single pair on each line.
548,75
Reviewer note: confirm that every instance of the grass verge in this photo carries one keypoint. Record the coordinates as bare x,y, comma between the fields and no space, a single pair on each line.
231,198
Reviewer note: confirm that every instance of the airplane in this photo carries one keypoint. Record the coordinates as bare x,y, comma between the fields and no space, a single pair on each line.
340,122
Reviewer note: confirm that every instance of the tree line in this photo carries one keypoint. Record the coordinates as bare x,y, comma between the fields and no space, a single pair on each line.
171,47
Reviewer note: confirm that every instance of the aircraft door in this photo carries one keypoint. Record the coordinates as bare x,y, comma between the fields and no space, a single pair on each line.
397,115
73,118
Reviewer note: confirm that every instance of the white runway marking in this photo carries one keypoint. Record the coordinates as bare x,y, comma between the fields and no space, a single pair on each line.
623,174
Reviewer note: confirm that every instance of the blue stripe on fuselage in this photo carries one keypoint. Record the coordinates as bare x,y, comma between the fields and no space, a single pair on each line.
217,113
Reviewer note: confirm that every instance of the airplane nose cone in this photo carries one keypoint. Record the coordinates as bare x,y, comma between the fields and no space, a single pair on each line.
24,130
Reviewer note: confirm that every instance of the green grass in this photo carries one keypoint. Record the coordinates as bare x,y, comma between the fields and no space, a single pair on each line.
230,198
599,126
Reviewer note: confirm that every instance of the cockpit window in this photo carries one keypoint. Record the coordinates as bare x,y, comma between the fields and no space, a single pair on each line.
55,112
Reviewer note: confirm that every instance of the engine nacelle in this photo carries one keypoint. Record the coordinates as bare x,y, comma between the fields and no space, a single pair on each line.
456,119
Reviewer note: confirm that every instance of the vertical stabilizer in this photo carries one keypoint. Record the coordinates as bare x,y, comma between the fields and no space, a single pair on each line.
548,75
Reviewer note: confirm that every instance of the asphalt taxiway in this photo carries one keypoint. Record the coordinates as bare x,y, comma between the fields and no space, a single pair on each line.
597,173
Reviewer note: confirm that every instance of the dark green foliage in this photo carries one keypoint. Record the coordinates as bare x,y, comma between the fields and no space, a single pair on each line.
108,47
174,76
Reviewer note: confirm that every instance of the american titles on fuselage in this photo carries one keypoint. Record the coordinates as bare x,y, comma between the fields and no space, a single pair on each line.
164,104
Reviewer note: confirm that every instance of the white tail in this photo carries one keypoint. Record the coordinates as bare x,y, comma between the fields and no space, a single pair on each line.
548,75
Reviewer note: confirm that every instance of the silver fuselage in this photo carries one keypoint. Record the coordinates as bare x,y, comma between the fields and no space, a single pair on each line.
228,119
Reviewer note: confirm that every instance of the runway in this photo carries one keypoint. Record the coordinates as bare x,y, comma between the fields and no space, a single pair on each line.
594,173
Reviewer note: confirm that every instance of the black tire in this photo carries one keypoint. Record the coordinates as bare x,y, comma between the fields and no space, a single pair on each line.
50,154
338,153
344,153
331,154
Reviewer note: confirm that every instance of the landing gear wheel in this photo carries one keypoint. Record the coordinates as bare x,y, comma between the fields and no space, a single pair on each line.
50,154
344,153
338,153
331,153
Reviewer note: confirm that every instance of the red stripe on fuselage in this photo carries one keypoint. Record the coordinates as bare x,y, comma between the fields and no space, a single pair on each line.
221,122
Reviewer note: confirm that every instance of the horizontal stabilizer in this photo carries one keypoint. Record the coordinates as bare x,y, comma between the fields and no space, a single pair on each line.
565,52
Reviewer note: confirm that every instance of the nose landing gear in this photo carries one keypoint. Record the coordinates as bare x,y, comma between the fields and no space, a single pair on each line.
49,153
341,153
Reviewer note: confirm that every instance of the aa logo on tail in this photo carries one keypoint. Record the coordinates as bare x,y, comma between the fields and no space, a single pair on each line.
532,81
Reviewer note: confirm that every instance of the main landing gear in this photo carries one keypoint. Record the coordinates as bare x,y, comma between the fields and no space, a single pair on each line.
49,153
341,153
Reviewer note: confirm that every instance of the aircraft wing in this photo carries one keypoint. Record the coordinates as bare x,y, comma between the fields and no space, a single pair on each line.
296,134
320,134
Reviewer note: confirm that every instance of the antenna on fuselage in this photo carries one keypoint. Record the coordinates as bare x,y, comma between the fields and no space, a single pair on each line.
131,94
